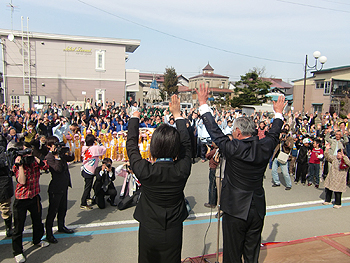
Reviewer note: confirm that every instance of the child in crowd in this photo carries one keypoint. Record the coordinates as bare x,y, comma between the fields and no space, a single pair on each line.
77,147
314,164
114,146
143,146
120,144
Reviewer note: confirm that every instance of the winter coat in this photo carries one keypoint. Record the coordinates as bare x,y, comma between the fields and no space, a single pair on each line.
336,178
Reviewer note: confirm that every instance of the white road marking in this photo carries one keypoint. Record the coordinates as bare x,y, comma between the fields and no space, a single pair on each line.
193,216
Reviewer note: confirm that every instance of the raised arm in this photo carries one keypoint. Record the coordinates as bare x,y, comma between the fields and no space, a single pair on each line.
185,140
213,129
132,147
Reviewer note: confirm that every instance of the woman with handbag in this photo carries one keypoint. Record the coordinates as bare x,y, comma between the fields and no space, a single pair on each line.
280,159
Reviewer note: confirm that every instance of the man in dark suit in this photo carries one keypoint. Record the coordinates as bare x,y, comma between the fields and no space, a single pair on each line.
58,188
242,195
105,175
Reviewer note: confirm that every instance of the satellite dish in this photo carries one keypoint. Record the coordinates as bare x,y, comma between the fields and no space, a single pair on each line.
11,37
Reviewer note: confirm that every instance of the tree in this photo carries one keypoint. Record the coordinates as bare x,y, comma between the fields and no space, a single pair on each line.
250,90
170,81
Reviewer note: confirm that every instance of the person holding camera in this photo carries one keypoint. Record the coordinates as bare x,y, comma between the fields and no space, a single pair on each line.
105,175
57,159
283,148
27,198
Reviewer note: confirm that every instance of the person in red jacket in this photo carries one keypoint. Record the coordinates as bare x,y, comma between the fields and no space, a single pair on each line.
27,198
314,164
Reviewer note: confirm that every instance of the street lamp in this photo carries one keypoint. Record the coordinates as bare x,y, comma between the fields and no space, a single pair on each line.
318,57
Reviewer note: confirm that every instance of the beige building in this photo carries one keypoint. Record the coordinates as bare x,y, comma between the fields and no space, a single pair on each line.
59,68
218,84
324,91
210,78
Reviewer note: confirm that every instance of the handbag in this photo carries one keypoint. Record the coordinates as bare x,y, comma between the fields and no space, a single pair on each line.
282,157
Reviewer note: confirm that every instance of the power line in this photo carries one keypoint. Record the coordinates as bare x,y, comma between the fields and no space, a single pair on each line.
188,40
314,6
336,2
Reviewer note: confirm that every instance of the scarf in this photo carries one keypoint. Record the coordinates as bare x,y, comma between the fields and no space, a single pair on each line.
343,165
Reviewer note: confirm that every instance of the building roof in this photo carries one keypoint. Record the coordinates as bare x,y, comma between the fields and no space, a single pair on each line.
209,75
219,90
208,67
331,69
158,77
278,83
214,90
182,76
183,89
302,79
130,44
149,76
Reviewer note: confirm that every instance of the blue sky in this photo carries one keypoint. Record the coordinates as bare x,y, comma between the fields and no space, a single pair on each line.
274,30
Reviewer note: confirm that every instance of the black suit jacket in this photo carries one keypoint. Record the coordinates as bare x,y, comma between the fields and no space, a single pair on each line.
162,202
246,162
100,179
59,172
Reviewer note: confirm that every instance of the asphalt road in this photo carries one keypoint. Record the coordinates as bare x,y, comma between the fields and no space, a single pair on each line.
110,235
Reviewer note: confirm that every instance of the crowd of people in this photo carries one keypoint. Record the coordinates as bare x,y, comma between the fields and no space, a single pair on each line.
310,148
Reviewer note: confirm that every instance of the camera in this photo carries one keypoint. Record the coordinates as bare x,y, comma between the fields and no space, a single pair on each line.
25,157
108,165
61,148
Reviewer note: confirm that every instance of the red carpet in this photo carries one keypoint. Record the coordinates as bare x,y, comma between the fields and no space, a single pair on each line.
330,248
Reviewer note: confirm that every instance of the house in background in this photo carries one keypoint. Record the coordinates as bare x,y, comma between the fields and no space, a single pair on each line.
147,80
280,85
325,91
218,84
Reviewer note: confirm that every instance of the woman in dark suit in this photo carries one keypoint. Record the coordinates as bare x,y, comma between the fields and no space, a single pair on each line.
161,209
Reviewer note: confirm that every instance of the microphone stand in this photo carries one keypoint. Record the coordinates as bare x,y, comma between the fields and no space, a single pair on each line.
218,187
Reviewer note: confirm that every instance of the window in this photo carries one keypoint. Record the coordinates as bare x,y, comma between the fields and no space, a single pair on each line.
341,87
327,88
319,85
325,85
317,107
14,100
100,60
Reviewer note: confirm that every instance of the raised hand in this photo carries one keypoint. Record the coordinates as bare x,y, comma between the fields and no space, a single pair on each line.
174,106
202,93
279,105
